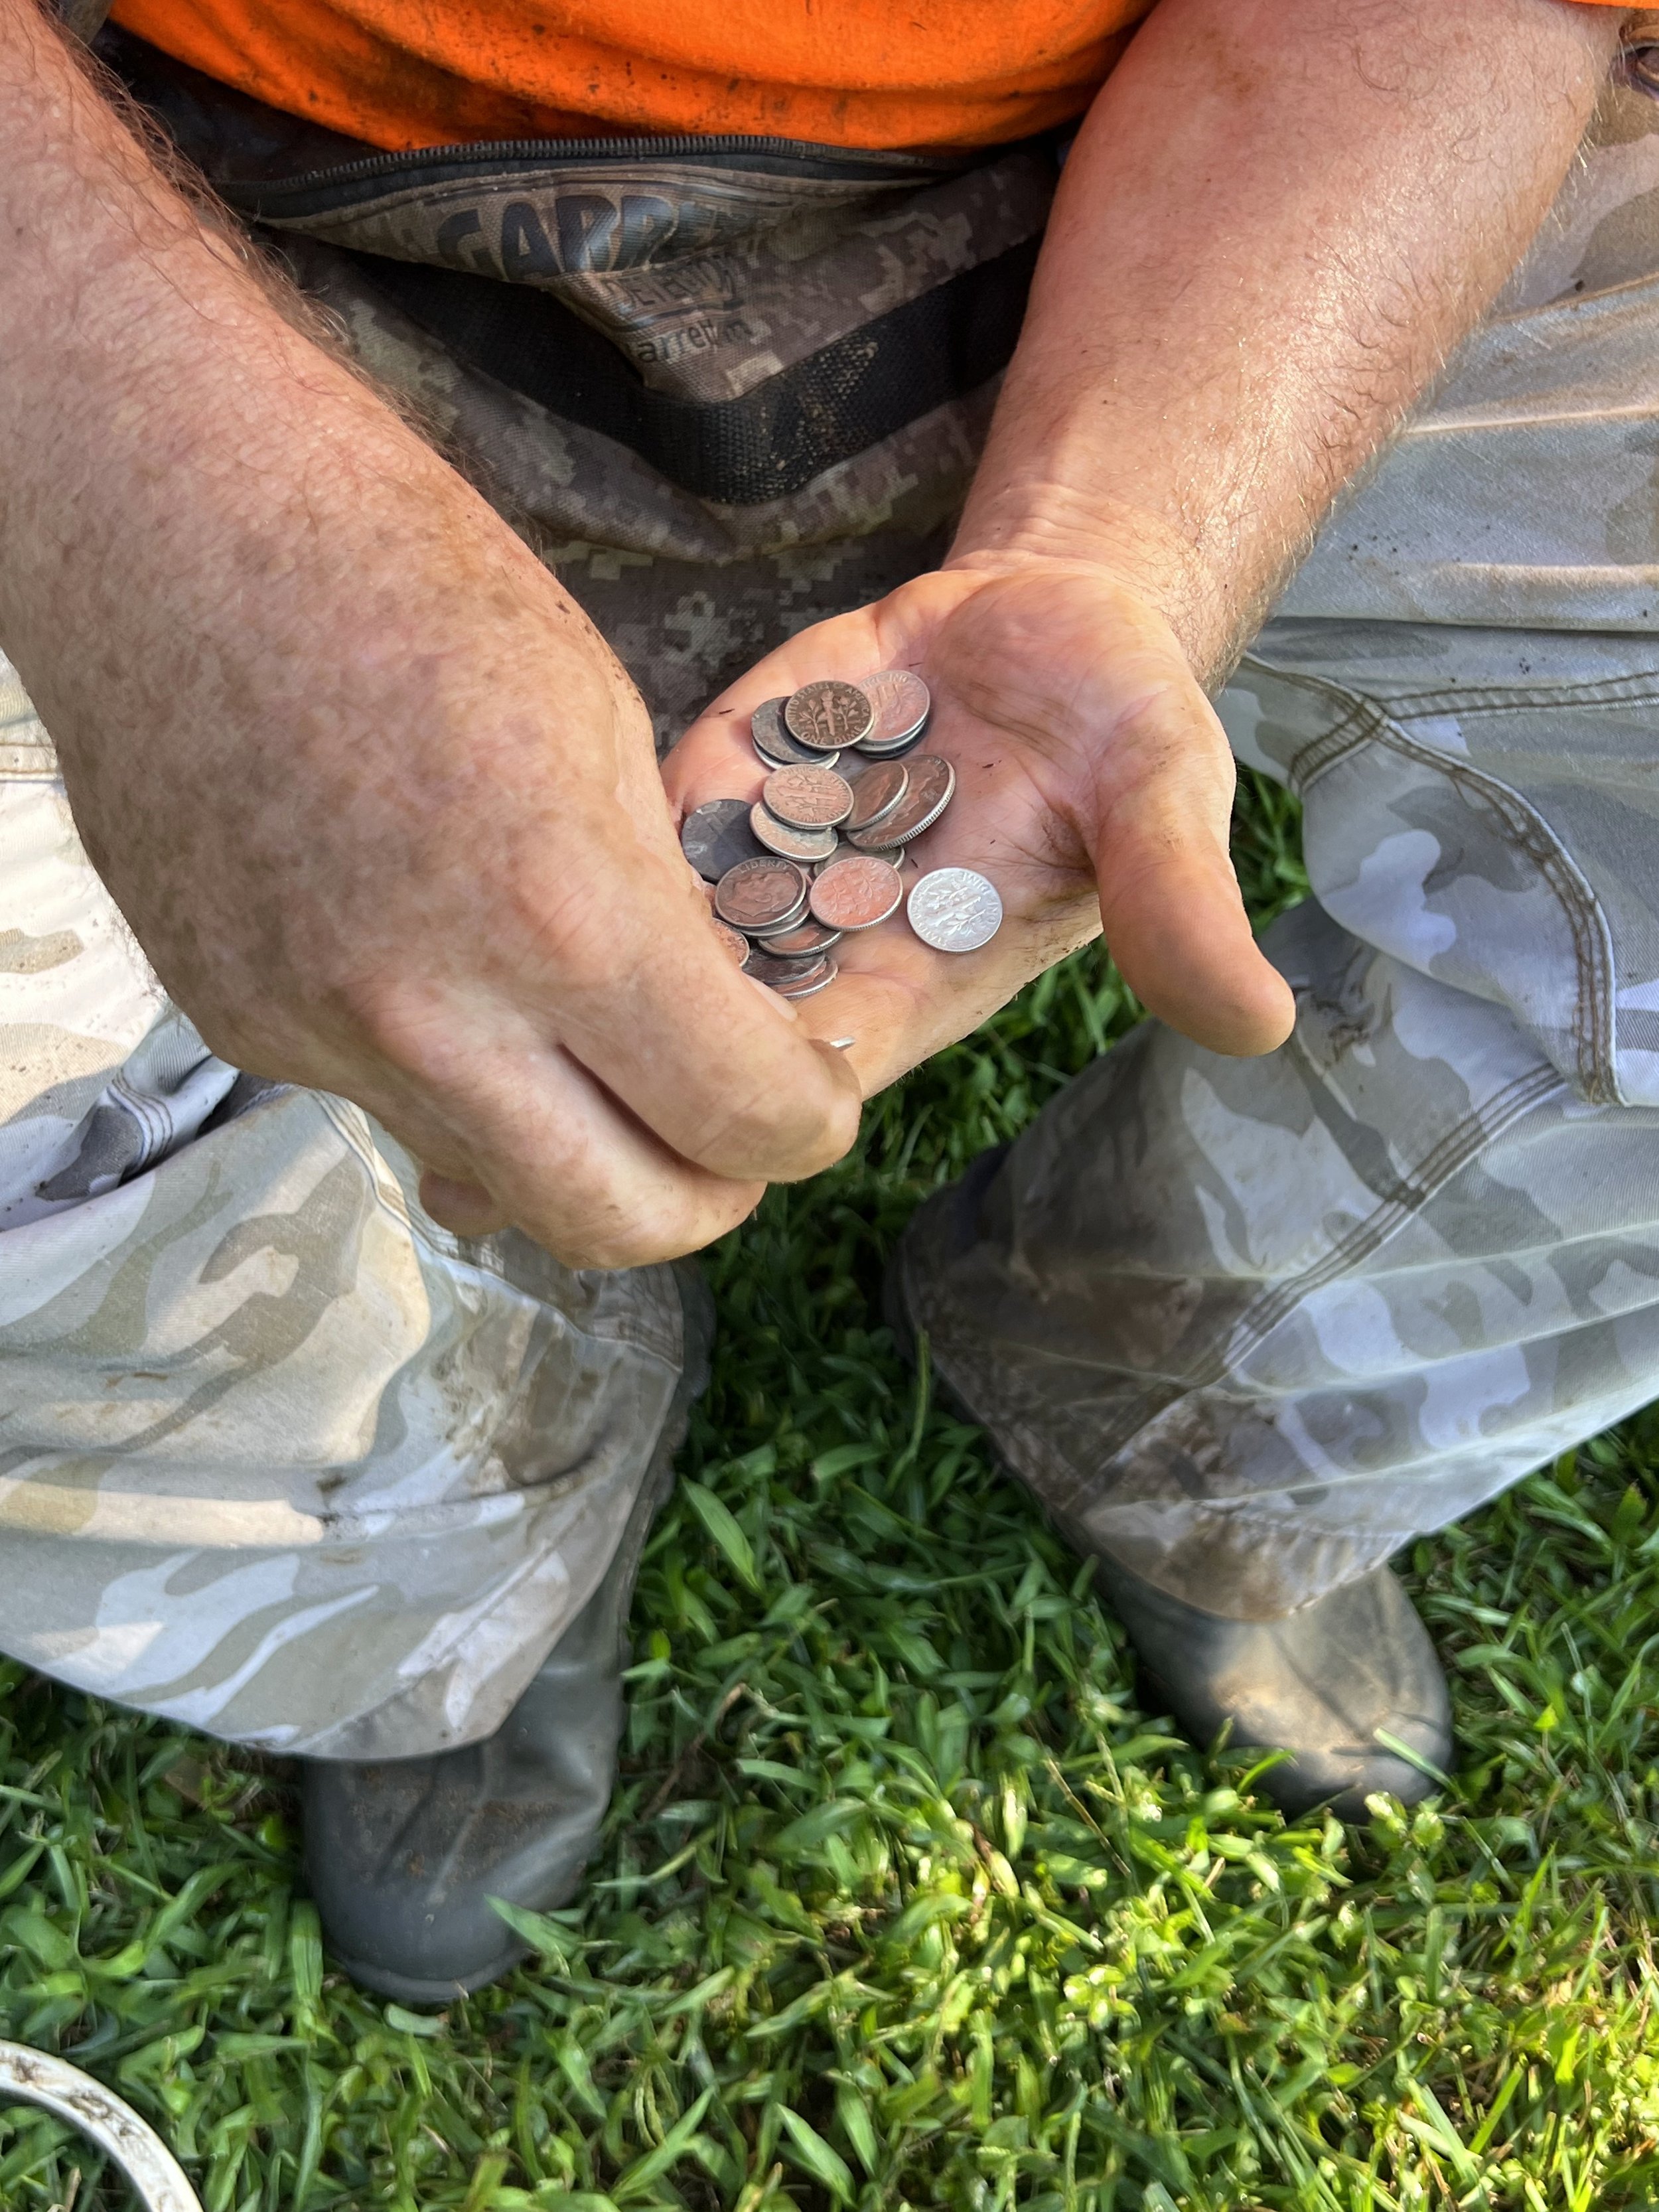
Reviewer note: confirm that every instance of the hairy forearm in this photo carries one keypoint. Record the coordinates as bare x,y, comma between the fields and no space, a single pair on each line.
1278,218
180,460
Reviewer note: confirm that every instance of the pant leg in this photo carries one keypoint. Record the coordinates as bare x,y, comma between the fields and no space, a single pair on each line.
1251,1326
278,1458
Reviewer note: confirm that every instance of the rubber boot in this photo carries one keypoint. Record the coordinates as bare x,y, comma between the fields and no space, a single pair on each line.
403,1856
1334,1684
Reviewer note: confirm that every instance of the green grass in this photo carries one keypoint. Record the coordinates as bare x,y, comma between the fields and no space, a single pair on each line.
905,1901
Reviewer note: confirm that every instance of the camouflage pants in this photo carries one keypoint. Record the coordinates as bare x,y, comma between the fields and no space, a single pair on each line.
1250,1326
280,1459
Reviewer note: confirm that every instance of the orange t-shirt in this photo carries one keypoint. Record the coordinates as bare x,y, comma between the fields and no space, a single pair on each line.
876,73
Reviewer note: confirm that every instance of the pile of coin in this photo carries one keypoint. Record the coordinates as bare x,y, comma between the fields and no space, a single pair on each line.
817,854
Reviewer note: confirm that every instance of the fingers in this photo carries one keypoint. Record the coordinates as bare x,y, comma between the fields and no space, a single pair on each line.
525,1135
1170,902
722,1074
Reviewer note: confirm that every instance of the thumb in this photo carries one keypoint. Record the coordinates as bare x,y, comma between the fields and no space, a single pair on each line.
1170,902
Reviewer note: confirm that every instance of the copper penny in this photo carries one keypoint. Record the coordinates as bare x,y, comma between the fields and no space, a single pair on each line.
876,794
715,837
757,893
856,893
773,743
793,844
829,716
820,980
900,703
808,798
766,968
804,937
933,779
732,942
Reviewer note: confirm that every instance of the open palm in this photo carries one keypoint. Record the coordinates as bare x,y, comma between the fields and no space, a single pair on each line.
1094,788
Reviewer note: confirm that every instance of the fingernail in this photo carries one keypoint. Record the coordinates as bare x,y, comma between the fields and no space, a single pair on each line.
840,1044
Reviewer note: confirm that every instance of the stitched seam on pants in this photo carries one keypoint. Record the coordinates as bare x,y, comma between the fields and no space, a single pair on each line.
1528,830
1455,1150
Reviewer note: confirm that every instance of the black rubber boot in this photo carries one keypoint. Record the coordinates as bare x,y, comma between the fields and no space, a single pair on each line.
1326,1683
403,1856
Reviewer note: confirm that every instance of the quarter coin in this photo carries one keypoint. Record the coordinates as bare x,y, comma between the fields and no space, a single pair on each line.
761,893
732,942
805,937
794,844
773,743
715,837
954,910
876,794
829,716
808,798
900,703
856,893
768,969
933,779
820,980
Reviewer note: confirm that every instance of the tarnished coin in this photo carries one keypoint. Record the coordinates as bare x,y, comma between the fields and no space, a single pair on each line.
856,893
820,980
876,794
767,969
900,703
829,716
760,893
773,743
954,910
933,779
794,844
804,937
715,837
733,943
808,798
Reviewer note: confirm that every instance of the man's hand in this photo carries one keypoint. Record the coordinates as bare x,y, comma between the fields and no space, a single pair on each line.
377,802
1277,219
1094,786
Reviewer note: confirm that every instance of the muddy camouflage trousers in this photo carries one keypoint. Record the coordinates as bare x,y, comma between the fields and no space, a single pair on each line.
281,1459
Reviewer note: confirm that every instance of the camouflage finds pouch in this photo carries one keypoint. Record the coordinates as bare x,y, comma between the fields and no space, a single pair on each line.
725,386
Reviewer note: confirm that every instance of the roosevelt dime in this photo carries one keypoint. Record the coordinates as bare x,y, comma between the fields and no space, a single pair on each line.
715,837
820,980
876,794
856,893
794,844
766,968
761,894
933,781
801,937
900,703
732,942
827,715
776,748
954,910
808,798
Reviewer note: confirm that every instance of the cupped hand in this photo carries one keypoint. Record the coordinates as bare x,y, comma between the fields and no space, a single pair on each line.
423,858
1094,788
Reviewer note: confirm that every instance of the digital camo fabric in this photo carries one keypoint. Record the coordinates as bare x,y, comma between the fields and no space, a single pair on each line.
1250,1326
724,387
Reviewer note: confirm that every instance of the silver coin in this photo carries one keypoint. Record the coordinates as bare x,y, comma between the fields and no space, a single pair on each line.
810,986
715,837
929,792
782,837
954,910
774,744
829,716
900,703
